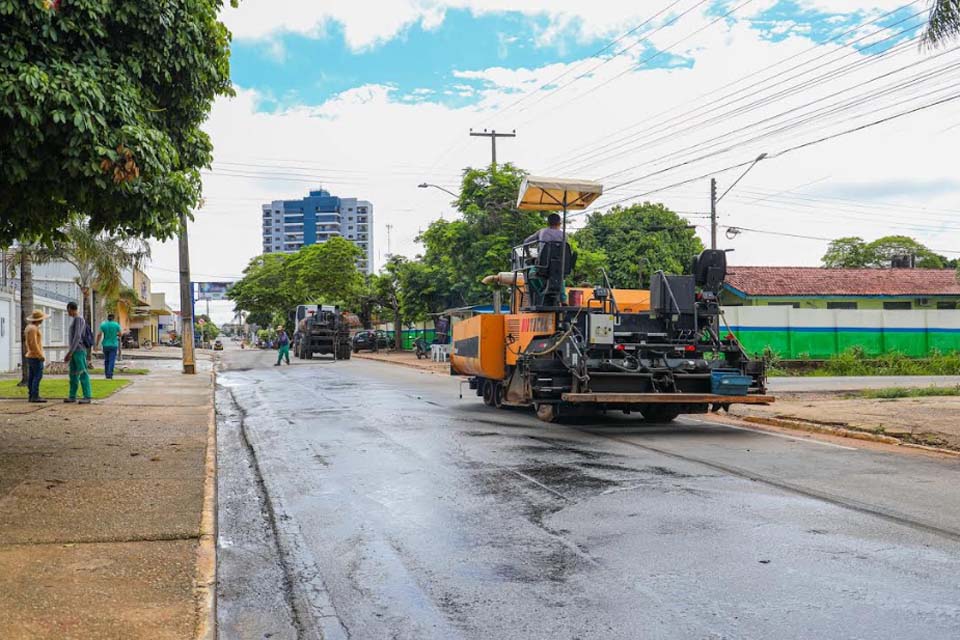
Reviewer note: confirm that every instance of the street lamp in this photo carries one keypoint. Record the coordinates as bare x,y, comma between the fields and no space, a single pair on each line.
714,199
424,185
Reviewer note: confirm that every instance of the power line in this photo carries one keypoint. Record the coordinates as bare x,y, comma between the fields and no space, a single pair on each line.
655,55
684,123
590,57
784,151
603,145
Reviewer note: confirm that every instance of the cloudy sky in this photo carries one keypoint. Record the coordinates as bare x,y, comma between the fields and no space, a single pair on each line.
368,99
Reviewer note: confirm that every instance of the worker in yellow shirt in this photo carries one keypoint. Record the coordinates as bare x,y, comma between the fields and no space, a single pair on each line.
33,343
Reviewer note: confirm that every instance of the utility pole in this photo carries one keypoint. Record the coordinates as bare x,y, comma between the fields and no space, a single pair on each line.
389,229
493,135
186,301
713,213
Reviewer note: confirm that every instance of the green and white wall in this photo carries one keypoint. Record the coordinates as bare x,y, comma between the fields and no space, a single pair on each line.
821,333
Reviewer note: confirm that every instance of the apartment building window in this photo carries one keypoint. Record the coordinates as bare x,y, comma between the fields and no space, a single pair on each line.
897,306
841,305
361,209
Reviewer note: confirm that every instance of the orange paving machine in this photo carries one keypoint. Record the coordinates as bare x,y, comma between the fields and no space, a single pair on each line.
571,350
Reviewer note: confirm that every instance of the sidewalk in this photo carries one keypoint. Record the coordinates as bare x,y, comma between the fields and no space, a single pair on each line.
101,508
406,358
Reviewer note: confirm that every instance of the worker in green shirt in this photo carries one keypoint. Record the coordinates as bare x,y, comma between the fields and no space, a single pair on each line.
109,340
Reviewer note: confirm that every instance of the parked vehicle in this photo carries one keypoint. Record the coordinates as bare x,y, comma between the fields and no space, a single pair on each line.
371,341
218,346
421,348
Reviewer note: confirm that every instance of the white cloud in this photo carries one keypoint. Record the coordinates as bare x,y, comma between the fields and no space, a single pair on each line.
369,142
366,25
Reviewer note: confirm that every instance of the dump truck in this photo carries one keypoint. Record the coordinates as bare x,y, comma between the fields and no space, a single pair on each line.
568,351
322,329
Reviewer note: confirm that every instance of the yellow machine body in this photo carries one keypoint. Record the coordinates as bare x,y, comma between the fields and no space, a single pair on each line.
479,347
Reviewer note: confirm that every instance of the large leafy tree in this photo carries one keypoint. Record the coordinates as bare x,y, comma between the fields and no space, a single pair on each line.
327,271
639,240
854,252
101,104
460,253
273,284
943,24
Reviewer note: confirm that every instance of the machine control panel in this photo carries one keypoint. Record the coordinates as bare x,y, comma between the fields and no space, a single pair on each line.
600,328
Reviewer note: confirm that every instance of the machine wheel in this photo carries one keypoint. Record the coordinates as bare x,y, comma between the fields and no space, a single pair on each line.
547,412
498,395
488,393
659,413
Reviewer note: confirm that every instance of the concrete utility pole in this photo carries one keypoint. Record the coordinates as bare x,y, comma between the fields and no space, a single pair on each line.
493,135
186,301
714,199
713,213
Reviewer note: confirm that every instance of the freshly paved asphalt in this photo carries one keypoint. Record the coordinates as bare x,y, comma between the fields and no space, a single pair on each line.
394,509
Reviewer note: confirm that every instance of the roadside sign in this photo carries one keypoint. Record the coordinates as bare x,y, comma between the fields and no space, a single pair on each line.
212,290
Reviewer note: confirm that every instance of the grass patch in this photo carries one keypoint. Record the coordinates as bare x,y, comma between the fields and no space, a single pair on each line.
59,388
903,392
855,362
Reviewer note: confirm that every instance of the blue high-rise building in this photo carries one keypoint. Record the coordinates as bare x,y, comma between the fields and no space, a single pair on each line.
289,225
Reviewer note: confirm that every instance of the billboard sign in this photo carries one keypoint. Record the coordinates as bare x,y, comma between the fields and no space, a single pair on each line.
212,290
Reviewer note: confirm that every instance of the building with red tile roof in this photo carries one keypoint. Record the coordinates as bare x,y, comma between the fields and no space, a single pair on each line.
819,288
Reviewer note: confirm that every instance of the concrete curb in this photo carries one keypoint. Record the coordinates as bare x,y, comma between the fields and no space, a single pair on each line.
810,427
409,365
206,573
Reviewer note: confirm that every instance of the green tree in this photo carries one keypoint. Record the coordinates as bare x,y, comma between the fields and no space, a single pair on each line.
644,236
849,252
459,253
207,330
387,289
882,251
327,272
266,289
101,105
943,24
853,252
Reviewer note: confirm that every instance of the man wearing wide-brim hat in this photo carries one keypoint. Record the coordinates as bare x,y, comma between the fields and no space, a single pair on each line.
33,343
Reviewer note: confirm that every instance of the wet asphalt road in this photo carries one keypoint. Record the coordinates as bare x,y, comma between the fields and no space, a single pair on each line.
365,500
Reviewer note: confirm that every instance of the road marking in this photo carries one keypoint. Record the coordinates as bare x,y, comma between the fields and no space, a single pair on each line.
775,435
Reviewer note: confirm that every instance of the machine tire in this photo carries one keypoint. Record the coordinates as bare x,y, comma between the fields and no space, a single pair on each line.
498,393
547,412
659,413
488,392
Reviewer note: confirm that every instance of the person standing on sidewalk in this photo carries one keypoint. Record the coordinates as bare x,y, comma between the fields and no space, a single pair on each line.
80,339
33,343
108,337
283,346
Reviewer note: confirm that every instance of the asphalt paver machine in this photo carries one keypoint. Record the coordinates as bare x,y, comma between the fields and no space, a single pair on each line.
575,350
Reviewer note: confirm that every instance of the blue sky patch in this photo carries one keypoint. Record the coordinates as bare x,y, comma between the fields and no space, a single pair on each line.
290,69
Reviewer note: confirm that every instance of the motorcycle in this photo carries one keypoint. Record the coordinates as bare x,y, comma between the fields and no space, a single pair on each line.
421,348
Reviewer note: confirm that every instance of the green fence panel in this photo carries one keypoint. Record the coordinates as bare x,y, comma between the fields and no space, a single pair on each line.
816,344
757,341
870,341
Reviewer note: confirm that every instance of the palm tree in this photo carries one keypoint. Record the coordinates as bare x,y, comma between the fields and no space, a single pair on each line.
944,22
99,258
